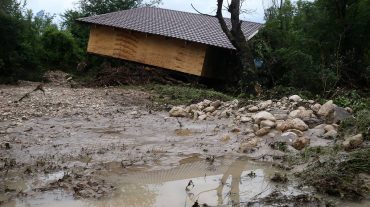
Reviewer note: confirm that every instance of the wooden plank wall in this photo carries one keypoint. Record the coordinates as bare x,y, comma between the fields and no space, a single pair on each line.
153,50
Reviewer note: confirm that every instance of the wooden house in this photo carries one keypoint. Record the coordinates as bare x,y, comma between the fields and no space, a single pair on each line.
181,41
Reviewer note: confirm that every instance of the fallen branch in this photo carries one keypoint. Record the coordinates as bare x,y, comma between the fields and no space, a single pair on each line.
38,88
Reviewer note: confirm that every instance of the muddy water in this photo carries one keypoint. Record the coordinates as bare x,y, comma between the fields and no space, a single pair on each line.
219,182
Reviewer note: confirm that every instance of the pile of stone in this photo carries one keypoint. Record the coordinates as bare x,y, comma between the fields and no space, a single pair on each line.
58,78
288,119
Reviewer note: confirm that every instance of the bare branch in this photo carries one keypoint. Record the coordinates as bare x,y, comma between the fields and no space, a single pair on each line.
201,12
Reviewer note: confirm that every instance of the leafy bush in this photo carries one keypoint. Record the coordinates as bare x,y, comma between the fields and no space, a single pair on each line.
60,50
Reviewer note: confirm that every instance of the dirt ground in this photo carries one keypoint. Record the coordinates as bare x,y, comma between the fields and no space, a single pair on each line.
87,142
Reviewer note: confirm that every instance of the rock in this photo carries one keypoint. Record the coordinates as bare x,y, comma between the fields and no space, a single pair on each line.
332,134
316,107
209,109
292,124
263,115
255,127
349,110
353,142
301,113
338,115
295,98
216,104
225,114
296,131
296,124
235,130
253,109
267,124
327,128
301,143
241,110
134,113
7,145
263,131
326,109
248,146
263,105
280,125
178,111
245,119
203,117
288,137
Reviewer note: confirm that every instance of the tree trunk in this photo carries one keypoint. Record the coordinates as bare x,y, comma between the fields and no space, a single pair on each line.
237,38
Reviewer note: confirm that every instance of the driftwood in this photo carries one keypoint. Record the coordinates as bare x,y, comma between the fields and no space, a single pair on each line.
38,88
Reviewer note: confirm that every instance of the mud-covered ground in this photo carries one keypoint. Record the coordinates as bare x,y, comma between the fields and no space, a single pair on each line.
87,143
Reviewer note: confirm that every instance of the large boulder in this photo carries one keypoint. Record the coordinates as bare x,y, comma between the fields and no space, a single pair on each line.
178,111
326,109
337,115
295,98
293,124
263,115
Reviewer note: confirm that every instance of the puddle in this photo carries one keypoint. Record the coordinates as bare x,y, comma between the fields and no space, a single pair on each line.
183,132
223,182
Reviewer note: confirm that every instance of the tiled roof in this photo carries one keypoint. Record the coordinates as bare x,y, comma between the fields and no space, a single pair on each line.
182,25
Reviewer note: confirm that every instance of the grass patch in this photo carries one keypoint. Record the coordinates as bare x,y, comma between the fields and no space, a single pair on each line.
309,154
339,175
183,94
356,125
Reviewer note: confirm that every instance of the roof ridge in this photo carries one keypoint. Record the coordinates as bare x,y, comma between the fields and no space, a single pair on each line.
172,10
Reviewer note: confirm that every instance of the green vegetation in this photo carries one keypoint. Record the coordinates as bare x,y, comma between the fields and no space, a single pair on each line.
360,124
182,94
32,44
339,175
335,172
316,45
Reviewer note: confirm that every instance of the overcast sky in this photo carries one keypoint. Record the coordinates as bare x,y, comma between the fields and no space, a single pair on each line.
207,6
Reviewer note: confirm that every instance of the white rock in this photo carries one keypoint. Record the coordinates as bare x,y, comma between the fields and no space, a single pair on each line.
263,115
268,124
210,109
178,111
326,109
288,137
332,134
263,105
328,128
316,107
253,109
245,119
296,124
295,98
202,117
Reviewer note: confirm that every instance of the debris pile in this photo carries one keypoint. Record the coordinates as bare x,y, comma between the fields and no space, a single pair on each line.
291,120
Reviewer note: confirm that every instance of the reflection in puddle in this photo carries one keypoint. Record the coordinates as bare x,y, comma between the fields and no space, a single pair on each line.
224,183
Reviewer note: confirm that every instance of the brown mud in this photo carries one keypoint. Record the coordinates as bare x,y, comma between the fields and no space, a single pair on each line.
108,147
